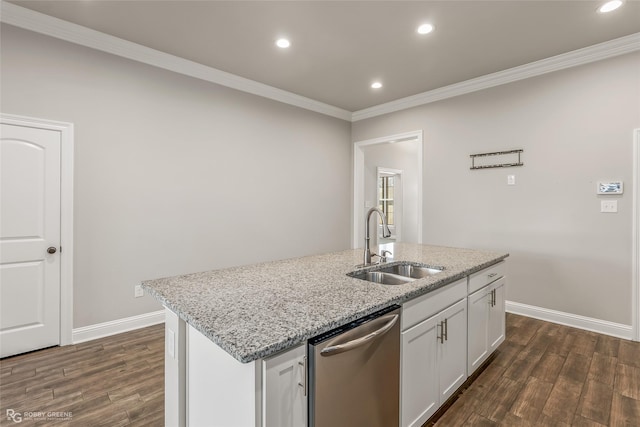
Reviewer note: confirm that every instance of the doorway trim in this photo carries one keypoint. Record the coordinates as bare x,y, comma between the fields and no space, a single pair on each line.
357,202
635,261
66,213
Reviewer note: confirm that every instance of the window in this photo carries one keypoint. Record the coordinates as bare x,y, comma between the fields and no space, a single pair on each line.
385,196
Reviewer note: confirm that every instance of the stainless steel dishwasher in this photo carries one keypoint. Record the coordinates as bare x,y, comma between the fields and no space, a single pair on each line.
354,373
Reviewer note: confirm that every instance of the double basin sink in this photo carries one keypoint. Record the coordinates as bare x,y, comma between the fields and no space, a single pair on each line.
397,273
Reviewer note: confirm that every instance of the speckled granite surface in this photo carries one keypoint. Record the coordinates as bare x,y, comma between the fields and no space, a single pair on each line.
257,310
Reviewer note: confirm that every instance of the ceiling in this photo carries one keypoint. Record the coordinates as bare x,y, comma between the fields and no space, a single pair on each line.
338,48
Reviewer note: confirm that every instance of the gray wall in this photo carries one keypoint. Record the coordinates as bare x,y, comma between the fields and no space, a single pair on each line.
175,175
575,127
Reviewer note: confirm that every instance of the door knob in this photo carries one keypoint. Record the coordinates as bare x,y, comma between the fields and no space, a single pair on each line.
51,250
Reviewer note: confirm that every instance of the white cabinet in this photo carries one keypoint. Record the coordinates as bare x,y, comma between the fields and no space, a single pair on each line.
284,384
496,332
486,323
205,386
452,352
420,395
434,354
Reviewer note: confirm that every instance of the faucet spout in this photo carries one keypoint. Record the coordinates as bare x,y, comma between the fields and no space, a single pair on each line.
385,233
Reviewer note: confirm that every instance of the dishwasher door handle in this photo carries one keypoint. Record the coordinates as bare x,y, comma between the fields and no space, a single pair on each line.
341,348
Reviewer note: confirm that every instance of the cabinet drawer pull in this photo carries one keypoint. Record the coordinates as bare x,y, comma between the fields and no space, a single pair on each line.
492,275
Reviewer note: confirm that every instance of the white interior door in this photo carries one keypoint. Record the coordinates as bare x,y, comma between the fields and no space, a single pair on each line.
29,238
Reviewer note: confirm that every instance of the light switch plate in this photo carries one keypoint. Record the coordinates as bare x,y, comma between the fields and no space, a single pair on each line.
511,180
609,206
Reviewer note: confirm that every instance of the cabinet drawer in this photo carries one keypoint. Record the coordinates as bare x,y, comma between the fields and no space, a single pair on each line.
427,305
484,277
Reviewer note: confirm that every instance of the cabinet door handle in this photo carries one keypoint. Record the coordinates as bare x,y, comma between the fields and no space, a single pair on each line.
446,330
303,384
493,298
441,337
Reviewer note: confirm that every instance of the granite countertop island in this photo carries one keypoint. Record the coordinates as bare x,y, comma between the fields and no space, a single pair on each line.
257,310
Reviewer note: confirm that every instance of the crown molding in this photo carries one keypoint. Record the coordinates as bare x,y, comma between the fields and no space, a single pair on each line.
44,24
619,46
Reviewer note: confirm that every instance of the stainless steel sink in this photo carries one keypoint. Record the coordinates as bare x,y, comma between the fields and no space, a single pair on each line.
397,273
411,270
382,278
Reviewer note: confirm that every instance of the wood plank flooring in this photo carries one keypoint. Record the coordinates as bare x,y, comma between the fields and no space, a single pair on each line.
551,375
113,381
542,375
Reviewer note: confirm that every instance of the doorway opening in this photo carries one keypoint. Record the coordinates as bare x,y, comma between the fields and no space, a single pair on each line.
371,154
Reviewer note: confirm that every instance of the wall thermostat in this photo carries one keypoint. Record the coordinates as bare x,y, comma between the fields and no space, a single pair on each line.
610,187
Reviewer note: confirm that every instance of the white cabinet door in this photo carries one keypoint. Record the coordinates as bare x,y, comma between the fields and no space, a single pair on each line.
486,324
496,329
284,397
419,370
453,351
478,316
434,363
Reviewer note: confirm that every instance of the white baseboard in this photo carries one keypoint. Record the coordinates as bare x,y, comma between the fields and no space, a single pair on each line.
574,320
100,330
87,333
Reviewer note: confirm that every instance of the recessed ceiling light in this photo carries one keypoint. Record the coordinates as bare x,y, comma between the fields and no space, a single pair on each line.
425,29
376,85
283,43
610,6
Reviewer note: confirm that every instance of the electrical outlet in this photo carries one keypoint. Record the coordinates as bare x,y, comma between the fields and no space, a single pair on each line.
511,180
171,343
609,206
138,291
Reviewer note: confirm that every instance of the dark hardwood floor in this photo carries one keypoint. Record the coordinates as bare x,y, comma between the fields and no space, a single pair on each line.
551,375
542,375
113,381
